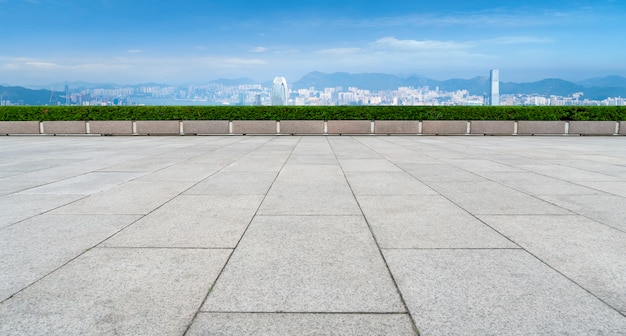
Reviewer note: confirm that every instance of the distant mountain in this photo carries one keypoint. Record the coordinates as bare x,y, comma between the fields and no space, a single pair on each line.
599,88
609,81
20,95
233,82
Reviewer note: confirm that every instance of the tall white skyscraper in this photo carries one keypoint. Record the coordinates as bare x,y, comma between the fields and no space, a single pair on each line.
494,92
280,92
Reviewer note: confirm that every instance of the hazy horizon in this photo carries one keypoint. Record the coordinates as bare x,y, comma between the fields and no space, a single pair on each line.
124,42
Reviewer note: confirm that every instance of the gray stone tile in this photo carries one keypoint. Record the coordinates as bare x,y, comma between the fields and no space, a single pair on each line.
17,207
301,324
481,165
251,164
495,292
320,159
536,184
386,183
87,184
591,254
116,292
39,245
129,198
305,264
201,221
143,164
609,210
493,198
571,174
417,221
10,186
234,183
615,188
368,165
310,172
310,198
440,172
183,172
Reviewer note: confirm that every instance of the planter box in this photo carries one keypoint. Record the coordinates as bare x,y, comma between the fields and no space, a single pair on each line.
592,127
302,127
254,127
541,127
444,127
160,127
64,127
117,127
19,127
622,127
349,127
492,127
396,126
205,127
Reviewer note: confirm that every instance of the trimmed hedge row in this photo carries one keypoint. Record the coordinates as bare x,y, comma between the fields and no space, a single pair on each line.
50,113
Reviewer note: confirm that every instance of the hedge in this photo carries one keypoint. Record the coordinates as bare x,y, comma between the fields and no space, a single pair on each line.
48,113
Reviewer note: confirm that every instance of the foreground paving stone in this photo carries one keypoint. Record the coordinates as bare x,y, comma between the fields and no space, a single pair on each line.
87,184
301,324
606,209
386,183
234,183
37,246
116,292
495,292
310,198
17,207
305,264
417,221
201,221
589,253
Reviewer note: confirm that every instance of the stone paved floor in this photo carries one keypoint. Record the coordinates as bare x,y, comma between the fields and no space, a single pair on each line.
312,235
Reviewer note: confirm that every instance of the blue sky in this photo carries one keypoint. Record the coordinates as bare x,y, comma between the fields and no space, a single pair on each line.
135,41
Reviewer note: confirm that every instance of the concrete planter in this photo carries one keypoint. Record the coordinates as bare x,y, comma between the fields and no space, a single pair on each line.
19,127
396,126
541,127
349,127
622,127
302,127
254,127
592,127
158,127
193,127
492,127
64,127
444,127
111,127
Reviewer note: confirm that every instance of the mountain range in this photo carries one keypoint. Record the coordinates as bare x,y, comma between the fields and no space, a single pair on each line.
593,88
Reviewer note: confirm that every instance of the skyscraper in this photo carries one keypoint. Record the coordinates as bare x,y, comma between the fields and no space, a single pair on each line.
494,92
280,92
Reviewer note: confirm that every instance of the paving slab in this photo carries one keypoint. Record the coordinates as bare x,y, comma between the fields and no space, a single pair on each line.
367,165
88,184
537,184
130,198
418,221
37,246
494,198
589,253
17,207
495,292
116,292
234,183
440,172
182,172
200,221
386,183
609,210
310,198
301,324
305,264
307,172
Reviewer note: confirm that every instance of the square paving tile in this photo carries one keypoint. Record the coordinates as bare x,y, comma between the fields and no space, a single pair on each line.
609,210
310,198
87,184
37,246
536,184
234,183
426,222
368,165
301,324
387,183
495,292
439,172
591,254
305,264
17,207
116,292
202,221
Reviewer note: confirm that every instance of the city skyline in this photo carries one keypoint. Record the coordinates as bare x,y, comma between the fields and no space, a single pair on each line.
146,41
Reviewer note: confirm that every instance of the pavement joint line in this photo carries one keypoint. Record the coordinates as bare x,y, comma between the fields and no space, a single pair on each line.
219,275
302,312
380,252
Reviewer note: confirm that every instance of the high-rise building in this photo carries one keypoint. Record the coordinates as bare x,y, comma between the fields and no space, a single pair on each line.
494,92
280,92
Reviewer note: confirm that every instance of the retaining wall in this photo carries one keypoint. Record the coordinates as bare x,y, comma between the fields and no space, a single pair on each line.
319,127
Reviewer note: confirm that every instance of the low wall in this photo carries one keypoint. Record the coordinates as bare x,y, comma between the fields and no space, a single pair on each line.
314,127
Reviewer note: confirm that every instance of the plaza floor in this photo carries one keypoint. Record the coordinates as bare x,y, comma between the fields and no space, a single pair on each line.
312,235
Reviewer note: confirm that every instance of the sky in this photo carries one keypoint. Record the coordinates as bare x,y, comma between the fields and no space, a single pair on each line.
196,41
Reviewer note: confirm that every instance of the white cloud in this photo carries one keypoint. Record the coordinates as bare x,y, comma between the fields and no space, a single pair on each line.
392,44
340,51
135,51
259,50
520,40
